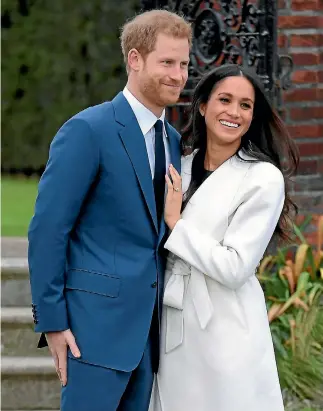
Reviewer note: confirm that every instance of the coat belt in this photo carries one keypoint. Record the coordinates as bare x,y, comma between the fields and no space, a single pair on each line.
174,301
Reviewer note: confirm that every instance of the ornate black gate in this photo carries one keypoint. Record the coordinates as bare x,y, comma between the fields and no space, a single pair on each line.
231,31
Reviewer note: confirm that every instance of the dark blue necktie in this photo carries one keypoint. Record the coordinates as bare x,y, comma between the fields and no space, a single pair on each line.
160,169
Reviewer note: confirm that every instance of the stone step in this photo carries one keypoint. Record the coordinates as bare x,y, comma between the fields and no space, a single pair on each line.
29,384
15,287
14,247
17,333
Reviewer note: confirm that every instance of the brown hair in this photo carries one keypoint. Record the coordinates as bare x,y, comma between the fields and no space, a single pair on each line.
267,139
141,32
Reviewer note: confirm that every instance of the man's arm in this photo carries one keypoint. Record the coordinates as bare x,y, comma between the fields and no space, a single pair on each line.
71,169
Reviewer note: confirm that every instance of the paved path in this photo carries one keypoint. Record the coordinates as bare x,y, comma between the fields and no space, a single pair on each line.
14,247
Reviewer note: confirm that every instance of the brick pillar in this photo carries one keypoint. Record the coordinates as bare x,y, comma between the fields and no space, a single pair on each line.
300,35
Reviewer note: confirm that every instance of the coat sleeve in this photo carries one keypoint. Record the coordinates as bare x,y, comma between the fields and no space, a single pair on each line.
234,260
72,166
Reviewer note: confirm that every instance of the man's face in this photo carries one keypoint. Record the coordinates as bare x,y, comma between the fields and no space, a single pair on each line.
163,72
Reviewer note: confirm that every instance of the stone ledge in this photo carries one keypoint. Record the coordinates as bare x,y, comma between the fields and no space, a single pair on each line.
29,384
14,267
14,247
16,315
18,336
15,283
13,366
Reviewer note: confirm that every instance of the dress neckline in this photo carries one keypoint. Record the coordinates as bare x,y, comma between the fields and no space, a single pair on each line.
207,173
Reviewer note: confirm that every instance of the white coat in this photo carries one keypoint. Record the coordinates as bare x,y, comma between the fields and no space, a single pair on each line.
216,347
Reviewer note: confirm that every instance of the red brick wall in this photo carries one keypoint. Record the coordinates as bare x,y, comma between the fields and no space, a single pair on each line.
300,35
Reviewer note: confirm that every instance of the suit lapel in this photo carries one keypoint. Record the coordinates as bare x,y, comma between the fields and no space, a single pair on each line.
175,157
174,148
134,143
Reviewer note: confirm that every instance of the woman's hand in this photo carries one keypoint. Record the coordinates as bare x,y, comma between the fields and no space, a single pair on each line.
174,198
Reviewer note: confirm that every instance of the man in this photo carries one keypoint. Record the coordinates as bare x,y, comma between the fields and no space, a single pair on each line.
94,242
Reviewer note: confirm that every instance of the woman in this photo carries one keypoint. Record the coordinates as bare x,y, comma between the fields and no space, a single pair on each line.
216,348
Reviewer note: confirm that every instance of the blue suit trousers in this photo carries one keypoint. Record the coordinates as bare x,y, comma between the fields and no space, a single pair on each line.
94,388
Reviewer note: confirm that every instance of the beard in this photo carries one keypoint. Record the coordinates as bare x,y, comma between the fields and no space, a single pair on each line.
162,95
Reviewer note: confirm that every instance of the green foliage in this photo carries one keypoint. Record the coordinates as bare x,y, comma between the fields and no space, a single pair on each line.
293,284
58,57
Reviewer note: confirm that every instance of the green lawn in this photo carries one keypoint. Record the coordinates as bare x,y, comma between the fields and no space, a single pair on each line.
17,205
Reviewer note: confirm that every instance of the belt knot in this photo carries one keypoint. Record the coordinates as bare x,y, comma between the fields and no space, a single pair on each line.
174,301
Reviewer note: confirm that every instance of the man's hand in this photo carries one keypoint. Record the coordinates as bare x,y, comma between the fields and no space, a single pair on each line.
58,343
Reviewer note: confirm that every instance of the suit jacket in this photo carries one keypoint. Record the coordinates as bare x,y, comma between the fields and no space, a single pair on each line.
94,243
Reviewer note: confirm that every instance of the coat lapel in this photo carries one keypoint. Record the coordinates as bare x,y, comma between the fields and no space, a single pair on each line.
207,194
134,143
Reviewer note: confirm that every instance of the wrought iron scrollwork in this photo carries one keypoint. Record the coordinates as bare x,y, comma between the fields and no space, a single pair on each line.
284,70
234,31
207,36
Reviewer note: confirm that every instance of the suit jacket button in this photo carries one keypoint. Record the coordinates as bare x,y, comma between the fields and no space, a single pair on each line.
154,285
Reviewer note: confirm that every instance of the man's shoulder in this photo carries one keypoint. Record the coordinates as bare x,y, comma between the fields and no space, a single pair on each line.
95,114
98,118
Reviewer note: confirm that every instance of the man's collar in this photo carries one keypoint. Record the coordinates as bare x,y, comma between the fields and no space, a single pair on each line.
146,119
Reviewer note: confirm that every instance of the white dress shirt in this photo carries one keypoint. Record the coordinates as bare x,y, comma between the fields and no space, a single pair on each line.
146,120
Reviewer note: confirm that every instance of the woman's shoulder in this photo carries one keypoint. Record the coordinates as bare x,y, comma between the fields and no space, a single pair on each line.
265,177
186,162
264,171
189,155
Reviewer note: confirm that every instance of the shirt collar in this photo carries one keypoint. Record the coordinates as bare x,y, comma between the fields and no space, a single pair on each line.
146,119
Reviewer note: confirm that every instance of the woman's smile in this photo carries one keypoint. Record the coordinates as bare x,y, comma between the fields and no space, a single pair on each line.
229,124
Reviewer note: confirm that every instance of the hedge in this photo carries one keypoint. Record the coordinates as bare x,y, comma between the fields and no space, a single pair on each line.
58,57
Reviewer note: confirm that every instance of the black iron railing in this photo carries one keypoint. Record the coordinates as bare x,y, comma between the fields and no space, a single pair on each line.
231,31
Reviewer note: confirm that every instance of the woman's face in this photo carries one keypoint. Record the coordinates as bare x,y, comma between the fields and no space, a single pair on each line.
228,113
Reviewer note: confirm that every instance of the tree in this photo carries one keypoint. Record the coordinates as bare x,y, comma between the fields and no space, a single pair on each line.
58,57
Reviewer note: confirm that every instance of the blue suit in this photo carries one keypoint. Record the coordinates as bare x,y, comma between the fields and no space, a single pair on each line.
95,248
